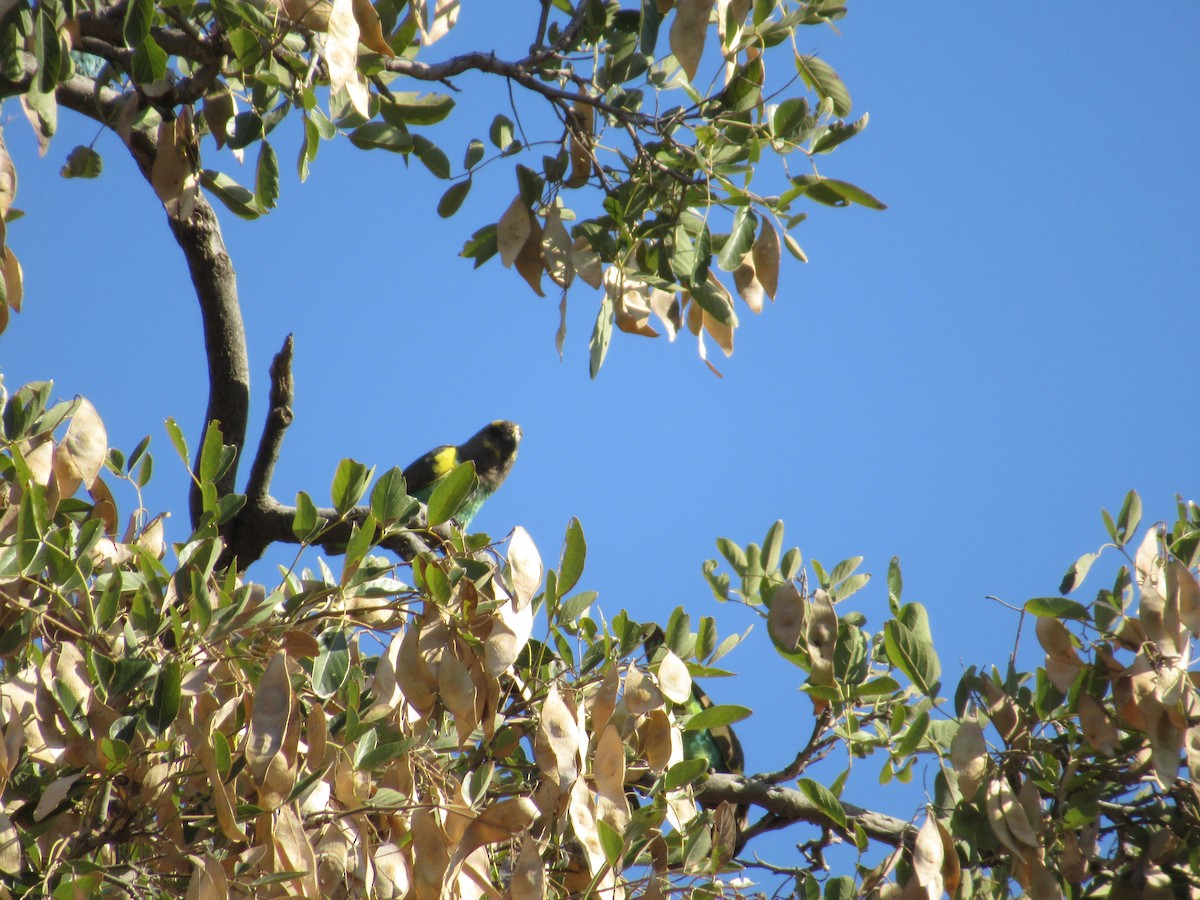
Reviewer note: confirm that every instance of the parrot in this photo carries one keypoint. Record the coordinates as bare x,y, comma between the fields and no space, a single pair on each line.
718,746
493,449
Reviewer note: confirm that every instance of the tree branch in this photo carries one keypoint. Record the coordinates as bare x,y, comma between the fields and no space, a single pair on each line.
788,806
211,269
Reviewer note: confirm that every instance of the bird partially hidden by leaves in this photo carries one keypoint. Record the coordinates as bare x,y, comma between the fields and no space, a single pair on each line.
718,746
493,450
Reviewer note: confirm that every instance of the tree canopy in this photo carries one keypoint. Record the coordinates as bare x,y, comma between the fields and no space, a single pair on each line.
171,724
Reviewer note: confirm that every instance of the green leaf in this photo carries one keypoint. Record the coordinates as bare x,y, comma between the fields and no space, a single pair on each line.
350,482
451,493
714,302
501,132
431,155
420,109
474,154
601,336
175,433
236,198
895,582
361,536
685,773
246,47
332,664
213,459
1057,608
149,63
266,178
138,17
716,716
840,888
912,655
824,800
741,239
389,498
1077,572
481,246
1129,518
570,563
790,120
453,198
572,608
82,162
128,674
838,133
825,82
305,523
381,136
833,192
611,842
164,705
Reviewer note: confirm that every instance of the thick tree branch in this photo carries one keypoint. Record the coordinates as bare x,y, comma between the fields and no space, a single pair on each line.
211,269
788,806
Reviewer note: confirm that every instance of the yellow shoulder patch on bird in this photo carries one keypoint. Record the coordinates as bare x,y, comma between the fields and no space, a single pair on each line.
444,460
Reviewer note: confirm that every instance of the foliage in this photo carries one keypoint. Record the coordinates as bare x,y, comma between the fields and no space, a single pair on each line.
170,726
638,178
395,729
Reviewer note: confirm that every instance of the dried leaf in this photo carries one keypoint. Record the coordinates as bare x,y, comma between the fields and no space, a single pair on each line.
558,740
748,286
1183,587
11,856
370,32
674,679
219,107
458,691
556,249
528,880
435,18
341,53
968,754
525,567
581,123
928,855
80,456
510,633
688,33
294,853
821,637
268,724
529,262
174,174
766,255
641,694
208,881
498,822
1062,661
660,740
787,619
587,262
1098,729
512,231
8,178
54,794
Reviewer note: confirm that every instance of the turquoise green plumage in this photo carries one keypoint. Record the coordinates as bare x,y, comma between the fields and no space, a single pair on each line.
493,449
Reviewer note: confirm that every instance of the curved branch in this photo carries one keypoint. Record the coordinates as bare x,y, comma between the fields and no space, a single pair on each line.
786,806
211,270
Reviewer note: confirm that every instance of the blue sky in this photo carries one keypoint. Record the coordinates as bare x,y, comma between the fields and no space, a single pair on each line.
963,380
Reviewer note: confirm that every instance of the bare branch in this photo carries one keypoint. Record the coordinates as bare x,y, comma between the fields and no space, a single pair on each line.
279,417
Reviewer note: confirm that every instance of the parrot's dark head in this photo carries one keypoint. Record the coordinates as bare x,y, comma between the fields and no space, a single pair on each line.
494,450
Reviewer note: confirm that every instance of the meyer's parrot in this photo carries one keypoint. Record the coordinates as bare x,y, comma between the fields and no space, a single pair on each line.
493,449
